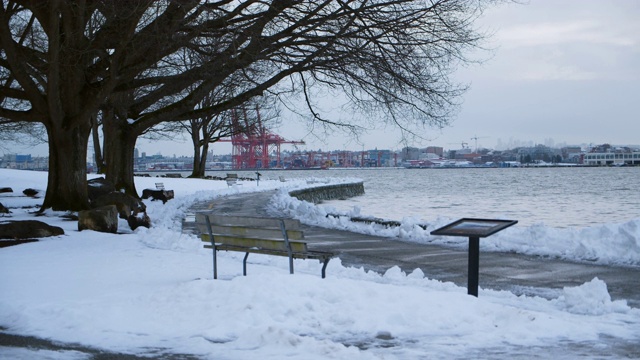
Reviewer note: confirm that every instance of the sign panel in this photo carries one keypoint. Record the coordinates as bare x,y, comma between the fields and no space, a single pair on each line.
474,227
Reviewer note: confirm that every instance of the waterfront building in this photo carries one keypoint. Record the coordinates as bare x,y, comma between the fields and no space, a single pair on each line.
615,157
24,162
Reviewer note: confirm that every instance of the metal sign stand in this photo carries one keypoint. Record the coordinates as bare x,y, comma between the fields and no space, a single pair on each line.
474,229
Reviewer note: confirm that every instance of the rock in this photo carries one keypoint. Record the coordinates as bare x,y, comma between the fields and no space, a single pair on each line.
4,210
128,208
28,229
98,187
30,192
163,195
141,219
6,190
103,219
127,205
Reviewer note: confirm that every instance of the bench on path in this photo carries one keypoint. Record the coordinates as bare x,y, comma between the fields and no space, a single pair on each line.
232,179
258,235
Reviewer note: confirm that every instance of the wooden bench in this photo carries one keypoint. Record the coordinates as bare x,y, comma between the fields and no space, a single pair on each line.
269,236
232,179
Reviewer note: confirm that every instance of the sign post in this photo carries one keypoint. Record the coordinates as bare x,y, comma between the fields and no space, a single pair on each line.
474,229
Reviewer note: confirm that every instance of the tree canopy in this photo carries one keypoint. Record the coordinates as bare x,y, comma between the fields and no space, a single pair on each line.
63,61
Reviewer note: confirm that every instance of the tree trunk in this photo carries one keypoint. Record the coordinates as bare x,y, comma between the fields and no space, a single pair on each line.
97,150
119,146
200,147
67,182
197,171
203,158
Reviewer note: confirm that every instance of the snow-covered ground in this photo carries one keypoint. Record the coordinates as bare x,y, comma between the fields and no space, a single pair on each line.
149,291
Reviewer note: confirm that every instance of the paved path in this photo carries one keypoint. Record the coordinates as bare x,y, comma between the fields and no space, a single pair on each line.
518,274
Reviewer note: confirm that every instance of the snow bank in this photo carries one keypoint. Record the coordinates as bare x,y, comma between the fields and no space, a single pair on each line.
610,244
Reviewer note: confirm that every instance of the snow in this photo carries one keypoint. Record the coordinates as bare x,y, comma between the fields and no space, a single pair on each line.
606,244
150,292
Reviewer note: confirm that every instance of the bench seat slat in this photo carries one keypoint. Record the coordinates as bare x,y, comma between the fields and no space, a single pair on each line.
263,233
247,242
318,255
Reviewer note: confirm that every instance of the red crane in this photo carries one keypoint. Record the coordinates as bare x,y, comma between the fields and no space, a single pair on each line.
252,143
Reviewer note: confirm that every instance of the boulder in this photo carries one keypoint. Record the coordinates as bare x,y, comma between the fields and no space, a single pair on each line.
4,210
103,219
127,205
30,192
28,229
98,187
142,219
154,194
6,190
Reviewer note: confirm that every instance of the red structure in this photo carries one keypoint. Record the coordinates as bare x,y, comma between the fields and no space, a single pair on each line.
252,143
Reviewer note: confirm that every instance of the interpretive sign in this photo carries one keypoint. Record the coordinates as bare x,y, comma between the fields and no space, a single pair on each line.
474,229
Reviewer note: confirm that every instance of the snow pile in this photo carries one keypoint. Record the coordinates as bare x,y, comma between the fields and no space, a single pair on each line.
591,298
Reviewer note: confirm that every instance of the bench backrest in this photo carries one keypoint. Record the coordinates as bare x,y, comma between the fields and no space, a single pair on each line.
231,179
160,186
248,221
253,232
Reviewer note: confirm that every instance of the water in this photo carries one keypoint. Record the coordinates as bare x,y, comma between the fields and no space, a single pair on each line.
557,197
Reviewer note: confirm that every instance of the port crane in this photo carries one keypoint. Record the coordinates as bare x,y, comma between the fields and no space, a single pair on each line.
463,144
475,137
252,143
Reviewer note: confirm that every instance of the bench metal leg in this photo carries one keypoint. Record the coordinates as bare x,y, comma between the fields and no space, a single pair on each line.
244,264
287,244
324,267
213,249
215,262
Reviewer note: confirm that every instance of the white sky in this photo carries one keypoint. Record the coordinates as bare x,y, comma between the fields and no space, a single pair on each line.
560,72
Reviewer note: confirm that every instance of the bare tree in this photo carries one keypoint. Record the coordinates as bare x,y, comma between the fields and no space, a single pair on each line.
205,130
210,128
61,61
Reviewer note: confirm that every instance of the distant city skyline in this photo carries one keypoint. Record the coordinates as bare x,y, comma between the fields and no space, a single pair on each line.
184,149
561,72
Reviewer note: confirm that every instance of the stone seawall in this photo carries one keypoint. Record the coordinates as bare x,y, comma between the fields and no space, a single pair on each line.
318,194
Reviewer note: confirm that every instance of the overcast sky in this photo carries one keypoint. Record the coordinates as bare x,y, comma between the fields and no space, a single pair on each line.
562,71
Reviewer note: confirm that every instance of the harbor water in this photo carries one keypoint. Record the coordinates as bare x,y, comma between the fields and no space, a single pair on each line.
555,196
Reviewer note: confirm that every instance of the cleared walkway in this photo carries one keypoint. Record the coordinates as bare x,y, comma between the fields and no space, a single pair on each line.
519,274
